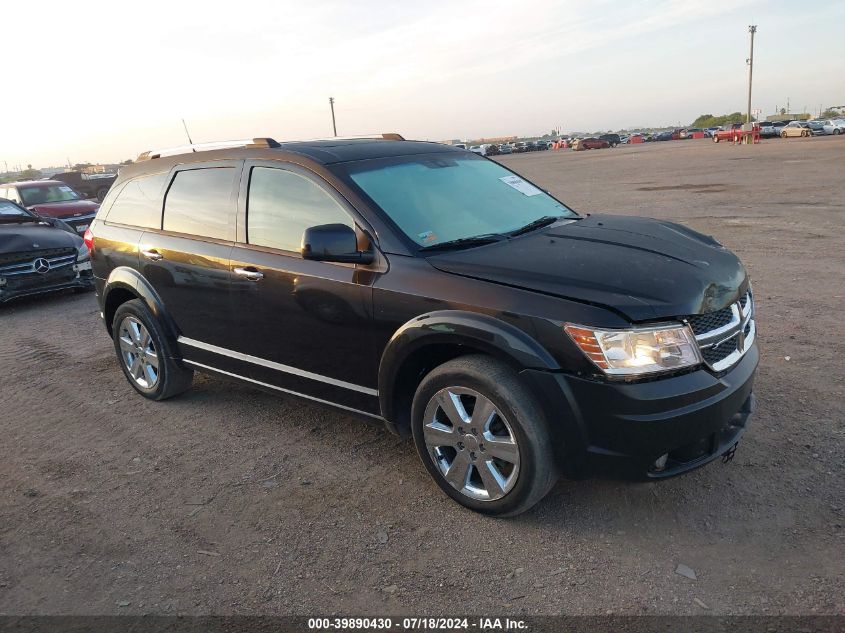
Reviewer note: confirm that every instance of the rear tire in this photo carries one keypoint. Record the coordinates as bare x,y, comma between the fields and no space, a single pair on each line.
147,358
473,417
783,134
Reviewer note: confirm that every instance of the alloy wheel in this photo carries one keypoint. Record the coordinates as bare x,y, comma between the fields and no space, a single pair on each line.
471,443
138,353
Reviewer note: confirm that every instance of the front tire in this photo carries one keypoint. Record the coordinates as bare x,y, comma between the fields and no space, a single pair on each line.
146,356
715,139
482,436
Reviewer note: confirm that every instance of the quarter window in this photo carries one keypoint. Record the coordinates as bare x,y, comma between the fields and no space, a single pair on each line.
283,204
199,203
139,203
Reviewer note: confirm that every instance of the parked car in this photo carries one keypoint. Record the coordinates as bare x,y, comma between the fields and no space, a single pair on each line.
477,149
613,139
796,128
493,150
664,136
834,126
817,128
590,143
39,255
768,130
519,147
460,145
511,337
52,198
505,148
88,185
732,132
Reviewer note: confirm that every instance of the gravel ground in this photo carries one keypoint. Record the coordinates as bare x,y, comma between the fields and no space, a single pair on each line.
228,500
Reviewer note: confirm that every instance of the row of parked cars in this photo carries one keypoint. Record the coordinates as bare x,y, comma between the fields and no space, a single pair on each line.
816,127
519,147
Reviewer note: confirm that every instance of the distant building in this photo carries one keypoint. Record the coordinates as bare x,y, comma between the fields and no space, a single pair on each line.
789,117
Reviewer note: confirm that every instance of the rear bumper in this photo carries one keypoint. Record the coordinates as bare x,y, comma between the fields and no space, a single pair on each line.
623,428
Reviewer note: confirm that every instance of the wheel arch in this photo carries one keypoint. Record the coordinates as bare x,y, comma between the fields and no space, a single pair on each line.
125,284
431,339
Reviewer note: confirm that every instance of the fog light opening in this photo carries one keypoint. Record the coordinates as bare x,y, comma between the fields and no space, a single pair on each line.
660,463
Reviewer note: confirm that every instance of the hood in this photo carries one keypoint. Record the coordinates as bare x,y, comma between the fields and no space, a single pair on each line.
17,238
643,268
65,210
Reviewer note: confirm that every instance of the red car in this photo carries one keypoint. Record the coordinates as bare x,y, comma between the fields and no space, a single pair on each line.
591,143
53,199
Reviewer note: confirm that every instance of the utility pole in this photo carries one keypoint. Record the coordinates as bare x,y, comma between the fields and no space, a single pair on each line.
334,125
751,29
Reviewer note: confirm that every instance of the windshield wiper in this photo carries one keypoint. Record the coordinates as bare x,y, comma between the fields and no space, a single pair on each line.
474,240
536,224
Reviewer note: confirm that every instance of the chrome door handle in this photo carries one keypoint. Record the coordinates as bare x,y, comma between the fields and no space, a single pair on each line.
250,273
152,254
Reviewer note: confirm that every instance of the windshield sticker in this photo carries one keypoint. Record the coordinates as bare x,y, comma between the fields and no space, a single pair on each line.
428,237
523,187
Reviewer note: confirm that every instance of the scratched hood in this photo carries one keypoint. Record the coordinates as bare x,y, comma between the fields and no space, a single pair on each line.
646,269
20,238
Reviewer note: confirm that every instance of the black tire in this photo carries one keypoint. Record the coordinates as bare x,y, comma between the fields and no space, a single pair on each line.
501,385
715,139
101,194
173,377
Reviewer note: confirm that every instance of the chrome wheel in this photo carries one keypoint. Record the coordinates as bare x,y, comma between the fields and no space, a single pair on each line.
471,443
138,352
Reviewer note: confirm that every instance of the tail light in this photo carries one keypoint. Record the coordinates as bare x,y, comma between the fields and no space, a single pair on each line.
89,240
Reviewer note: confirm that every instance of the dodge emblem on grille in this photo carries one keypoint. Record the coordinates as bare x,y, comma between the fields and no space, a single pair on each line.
41,265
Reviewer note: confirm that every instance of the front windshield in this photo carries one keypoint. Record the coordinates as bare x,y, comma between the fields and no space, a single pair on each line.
41,194
11,211
437,198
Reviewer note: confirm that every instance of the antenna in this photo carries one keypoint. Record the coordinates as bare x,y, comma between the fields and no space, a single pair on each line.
188,134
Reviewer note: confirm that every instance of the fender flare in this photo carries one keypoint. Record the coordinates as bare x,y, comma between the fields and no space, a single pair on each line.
456,327
130,279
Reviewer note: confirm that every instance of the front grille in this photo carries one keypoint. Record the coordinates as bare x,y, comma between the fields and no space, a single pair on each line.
703,323
719,352
28,256
34,263
725,335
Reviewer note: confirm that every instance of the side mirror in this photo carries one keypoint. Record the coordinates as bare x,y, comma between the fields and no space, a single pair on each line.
333,243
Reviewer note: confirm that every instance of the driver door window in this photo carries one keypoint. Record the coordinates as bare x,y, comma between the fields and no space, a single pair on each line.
282,204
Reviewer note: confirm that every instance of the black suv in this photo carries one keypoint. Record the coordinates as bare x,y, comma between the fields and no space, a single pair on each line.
438,292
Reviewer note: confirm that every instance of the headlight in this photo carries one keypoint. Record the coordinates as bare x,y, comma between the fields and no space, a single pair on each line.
638,351
82,253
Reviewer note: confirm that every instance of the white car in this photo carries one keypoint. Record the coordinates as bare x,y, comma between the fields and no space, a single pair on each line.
834,126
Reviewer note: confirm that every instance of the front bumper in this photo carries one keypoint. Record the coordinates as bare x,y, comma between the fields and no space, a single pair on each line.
624,428
69,278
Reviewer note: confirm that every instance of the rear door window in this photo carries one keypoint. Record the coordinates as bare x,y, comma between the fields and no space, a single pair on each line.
199,202
139,203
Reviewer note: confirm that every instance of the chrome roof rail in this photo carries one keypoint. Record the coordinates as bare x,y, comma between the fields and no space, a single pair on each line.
386,136
260,142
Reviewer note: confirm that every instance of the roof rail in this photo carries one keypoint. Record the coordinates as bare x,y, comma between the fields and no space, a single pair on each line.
387,136
260,142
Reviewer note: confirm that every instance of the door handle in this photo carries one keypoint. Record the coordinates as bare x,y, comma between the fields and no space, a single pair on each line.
250,273
152,254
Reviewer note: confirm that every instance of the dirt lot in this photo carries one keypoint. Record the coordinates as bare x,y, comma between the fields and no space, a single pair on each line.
227,500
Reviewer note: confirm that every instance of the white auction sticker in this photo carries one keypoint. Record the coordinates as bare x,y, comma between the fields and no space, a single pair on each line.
523,187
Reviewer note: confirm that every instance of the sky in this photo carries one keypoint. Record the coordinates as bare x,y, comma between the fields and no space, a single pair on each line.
104,81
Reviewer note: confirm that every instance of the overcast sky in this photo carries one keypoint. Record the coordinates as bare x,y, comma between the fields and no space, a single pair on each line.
103,81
